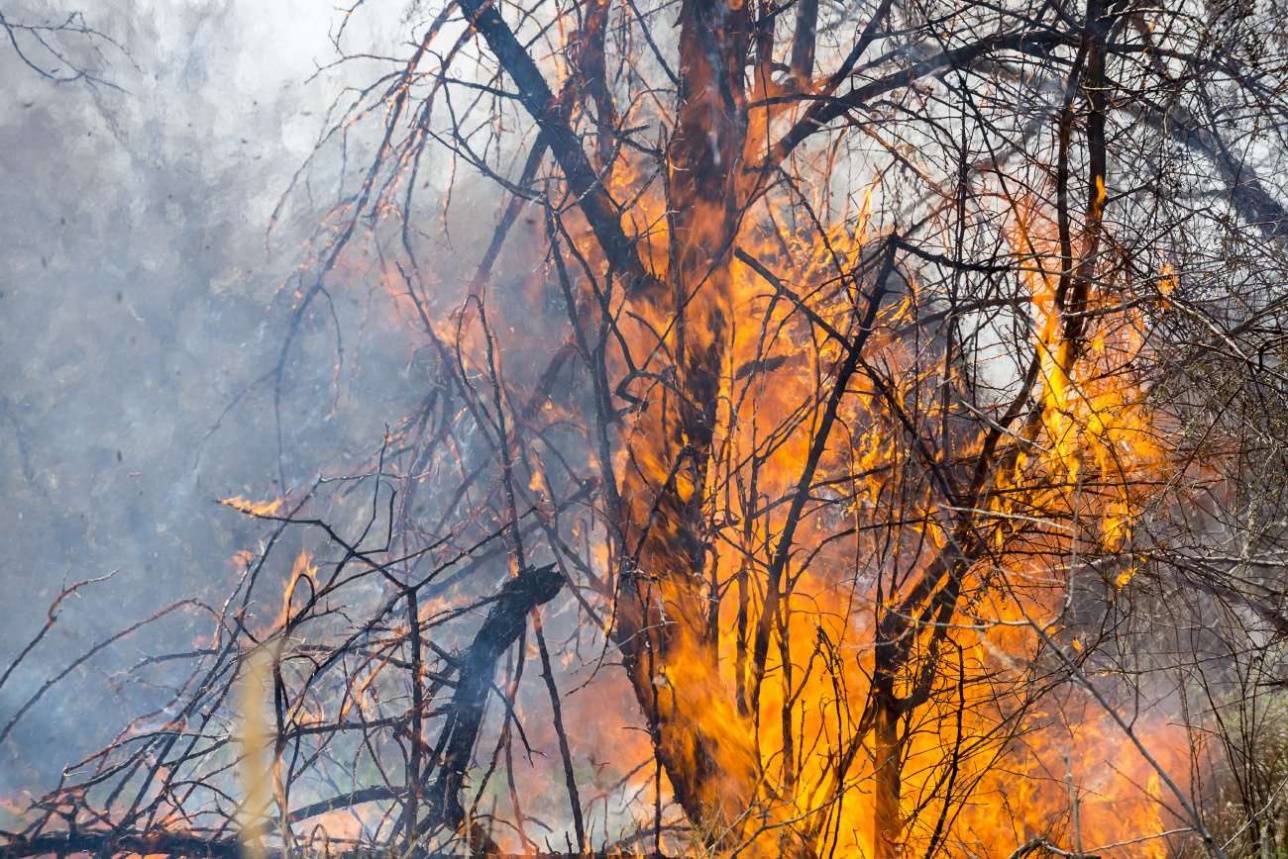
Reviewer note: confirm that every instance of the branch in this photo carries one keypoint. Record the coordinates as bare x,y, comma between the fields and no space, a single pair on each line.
498,632
1033,845
804,40
828,108
598,207
1248,195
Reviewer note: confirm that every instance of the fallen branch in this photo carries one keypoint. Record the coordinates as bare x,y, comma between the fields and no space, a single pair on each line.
498,632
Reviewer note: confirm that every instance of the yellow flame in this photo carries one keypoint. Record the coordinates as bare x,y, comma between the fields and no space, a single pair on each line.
253,508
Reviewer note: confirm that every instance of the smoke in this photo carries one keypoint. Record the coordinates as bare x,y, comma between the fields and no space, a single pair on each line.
141,299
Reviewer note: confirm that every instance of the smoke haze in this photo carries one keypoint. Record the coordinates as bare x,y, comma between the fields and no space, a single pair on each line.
141,300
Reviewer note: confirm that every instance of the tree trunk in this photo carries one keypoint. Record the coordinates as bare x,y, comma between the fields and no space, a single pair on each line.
887,822
664,603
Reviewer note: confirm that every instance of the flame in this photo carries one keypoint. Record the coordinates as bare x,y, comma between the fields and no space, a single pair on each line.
302,570
253,508
1093,448
793,740
1167,280
1074,481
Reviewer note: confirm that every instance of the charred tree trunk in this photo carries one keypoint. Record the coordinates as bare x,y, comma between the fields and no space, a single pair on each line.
664,604
887,821
497,634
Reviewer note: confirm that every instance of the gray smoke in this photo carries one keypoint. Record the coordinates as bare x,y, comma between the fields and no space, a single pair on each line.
140,301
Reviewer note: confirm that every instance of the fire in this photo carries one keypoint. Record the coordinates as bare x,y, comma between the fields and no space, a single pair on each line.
787,716
253,508
838,524
1081,462
303,570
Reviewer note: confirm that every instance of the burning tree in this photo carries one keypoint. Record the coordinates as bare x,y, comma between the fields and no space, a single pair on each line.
820,422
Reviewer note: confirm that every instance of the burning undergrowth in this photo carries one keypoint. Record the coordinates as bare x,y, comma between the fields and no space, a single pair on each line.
776,486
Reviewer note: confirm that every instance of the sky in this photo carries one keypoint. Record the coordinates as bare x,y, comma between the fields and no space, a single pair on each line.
141,297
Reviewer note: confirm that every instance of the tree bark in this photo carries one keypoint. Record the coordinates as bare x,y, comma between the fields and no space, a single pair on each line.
888,824
664,604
